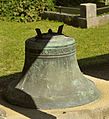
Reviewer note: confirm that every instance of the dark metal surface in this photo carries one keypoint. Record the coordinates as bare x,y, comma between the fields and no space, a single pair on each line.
51,76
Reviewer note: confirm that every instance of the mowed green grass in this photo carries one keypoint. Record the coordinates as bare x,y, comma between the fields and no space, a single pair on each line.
90,42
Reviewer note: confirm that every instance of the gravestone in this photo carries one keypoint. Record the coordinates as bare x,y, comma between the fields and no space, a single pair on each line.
88,14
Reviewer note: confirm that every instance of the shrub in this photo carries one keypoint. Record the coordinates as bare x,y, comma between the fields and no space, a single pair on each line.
23,10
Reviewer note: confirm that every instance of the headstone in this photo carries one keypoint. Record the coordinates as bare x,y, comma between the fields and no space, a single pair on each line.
88,10
88,15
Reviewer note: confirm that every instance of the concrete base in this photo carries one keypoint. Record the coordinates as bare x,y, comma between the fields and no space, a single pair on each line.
98,109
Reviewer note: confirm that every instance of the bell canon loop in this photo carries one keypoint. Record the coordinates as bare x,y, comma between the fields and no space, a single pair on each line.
51,76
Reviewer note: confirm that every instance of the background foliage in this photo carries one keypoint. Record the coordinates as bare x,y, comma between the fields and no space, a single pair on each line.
74,2
29,10
23,10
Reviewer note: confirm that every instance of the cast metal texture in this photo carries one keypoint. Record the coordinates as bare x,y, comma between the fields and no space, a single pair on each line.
53,78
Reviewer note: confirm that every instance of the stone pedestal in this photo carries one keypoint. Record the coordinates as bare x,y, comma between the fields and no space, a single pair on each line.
88,15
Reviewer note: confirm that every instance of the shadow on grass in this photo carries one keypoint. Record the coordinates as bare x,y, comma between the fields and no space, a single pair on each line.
30,113
6,80
97,66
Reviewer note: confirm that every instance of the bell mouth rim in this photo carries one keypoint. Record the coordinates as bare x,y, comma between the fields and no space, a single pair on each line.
49,105
70,105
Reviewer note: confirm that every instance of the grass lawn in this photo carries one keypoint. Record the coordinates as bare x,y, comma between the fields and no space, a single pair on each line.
90,42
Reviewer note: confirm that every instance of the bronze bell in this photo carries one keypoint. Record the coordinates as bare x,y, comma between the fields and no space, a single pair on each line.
51,75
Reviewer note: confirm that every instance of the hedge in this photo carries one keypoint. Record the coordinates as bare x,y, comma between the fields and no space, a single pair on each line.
23,10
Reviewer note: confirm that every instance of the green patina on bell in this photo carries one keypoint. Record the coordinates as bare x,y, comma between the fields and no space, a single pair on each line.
51,75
